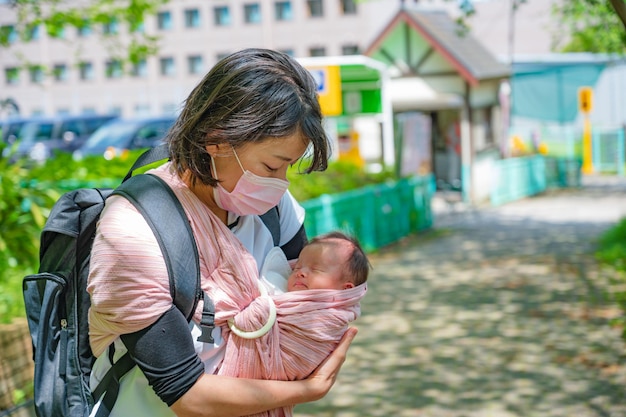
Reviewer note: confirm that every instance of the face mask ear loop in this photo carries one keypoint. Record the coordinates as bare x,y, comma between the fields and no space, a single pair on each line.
238,161
213,169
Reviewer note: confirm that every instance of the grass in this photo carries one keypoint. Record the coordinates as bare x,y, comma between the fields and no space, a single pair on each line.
612,252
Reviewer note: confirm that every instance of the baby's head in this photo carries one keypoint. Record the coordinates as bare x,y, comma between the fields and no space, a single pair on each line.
330,261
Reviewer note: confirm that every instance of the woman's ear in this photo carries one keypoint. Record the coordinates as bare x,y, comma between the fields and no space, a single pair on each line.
212,150
219,149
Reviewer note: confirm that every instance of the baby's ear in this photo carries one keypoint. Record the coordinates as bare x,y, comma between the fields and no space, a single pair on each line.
348,285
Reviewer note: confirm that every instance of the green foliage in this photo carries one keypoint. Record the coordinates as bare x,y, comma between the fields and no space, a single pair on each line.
23,211
612,252
340,176
57,15
590,26
29,190
613,246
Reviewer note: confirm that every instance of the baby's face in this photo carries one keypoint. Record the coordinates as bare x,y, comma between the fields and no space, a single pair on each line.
320,266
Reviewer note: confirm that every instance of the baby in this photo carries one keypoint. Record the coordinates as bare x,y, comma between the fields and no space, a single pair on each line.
330,261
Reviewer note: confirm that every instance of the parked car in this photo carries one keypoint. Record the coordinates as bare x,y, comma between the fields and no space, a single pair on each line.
118,136
10,129
41,137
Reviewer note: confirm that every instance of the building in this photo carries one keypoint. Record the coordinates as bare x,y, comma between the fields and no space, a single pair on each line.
78,73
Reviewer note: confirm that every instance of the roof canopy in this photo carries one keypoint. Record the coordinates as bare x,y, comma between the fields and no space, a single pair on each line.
429,43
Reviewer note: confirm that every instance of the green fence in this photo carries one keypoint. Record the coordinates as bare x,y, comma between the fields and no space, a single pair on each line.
516,178
609,154
377,214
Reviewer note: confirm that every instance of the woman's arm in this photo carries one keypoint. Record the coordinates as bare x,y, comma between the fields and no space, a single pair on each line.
214,395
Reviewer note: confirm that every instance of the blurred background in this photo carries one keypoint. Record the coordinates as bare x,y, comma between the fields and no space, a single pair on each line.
465,105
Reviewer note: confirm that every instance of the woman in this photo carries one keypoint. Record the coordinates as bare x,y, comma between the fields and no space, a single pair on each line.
252,116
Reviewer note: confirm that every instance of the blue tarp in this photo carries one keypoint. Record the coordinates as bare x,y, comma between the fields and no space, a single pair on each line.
549,91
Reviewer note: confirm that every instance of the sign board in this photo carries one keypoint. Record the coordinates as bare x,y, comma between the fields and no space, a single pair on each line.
585,99
328,80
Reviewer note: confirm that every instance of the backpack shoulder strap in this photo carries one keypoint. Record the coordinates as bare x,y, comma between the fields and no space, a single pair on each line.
172,230
292,249
271,220
150,156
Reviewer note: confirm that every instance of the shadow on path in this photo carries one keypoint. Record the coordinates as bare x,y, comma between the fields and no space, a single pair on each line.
500,312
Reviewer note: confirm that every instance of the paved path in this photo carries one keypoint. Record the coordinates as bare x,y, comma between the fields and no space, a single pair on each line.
498,312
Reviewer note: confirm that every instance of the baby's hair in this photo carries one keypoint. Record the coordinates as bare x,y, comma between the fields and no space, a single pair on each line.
358,264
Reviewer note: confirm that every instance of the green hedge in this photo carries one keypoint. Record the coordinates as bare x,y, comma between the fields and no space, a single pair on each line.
29,191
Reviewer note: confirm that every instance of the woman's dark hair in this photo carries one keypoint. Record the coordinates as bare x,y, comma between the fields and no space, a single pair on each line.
358,265
249,96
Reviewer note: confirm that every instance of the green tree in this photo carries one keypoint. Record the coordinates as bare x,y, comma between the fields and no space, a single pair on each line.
593,25
54,16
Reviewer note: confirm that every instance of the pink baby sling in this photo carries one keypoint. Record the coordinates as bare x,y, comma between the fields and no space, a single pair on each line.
308,325
307,328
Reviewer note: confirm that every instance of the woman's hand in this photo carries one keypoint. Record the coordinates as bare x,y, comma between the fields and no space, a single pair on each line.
214,395
324,377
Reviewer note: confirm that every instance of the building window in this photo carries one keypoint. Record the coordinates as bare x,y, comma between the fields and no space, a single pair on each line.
350,50
167,66
140,69
114,68
192,18
33,33
36,74
316,8
170,108
221,55
8,34
317,51
137,27
12,75
195,64
222,15
60,72
164,20
142,109
86,71
348,6
117,110
252,12
283,10
289,52
111,27
56,32
84,30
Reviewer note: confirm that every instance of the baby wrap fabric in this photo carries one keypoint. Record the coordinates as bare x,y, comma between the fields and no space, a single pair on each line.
308,326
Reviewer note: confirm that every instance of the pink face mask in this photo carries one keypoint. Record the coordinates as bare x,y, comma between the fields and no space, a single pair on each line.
252,194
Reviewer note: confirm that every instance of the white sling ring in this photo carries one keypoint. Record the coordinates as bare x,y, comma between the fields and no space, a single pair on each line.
271,319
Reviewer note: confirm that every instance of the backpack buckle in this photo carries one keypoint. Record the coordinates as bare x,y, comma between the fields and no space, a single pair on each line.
207,323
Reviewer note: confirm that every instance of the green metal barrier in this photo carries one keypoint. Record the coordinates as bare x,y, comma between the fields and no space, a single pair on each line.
516,178
377,215
563,172
608,154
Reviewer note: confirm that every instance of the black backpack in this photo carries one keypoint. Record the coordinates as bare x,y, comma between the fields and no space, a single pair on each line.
57,301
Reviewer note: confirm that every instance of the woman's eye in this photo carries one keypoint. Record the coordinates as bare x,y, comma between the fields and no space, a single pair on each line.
270,169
